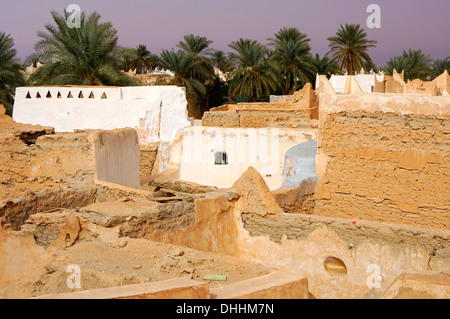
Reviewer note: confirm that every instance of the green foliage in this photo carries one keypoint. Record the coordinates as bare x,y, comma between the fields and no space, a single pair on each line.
220,60
292,58
139,59
322,66
182,64
10,75
349,49
88,55
439,66
415,63
255,74
196,48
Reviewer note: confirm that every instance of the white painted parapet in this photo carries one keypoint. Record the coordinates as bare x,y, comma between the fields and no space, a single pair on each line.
156,112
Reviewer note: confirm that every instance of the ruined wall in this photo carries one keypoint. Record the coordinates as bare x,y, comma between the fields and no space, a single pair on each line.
147,160
384,158
294,111
247,222
443,83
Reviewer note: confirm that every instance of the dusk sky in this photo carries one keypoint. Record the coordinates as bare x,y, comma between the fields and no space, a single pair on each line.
161,24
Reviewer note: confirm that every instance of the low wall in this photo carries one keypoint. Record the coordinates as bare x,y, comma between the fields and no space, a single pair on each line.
277,285
179,288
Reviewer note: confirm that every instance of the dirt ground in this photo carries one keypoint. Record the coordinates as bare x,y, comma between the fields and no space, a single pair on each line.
129,261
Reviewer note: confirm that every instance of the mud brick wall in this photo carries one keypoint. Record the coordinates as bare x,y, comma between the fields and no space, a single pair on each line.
257,118
387,167
147,161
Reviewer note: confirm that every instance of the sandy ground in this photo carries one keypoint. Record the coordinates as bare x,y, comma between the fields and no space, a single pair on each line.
130,261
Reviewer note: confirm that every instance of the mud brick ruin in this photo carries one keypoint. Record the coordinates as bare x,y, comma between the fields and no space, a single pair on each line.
338,192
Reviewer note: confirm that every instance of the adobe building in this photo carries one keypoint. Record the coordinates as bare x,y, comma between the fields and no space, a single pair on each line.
360,207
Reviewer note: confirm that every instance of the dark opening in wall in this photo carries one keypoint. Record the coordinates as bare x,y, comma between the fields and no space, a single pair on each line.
221,158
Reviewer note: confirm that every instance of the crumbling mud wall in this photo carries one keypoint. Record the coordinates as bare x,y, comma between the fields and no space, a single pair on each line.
340,257
295,111
42,171
384,158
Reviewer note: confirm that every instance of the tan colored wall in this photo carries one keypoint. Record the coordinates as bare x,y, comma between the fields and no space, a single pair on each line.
247,222
382,158
277,285
178,288
443,83
147,160
292,112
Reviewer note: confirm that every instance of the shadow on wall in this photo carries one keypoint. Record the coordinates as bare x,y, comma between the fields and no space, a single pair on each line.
300,164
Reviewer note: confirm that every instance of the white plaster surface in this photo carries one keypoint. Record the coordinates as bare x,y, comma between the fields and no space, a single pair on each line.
365,81
264,149
156,112
300,164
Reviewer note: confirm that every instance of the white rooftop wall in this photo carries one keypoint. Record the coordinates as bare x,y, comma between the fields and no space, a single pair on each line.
365,81
156,112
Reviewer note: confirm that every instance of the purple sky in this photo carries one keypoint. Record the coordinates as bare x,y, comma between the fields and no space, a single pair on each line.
161,24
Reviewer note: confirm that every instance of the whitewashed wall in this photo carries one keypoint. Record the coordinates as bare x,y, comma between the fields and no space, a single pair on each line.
156,112
264,149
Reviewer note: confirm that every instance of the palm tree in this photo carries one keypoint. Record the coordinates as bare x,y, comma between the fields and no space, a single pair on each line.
415,64
10,75
254,74
197,48
181,64
126,56
439,66
221,61
88,55
143,60
322,66
287,34
348,48
292,59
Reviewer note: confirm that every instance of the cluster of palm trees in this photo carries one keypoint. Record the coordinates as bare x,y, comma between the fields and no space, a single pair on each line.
417,65
90,55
